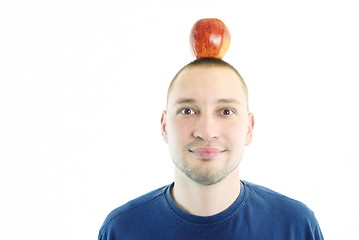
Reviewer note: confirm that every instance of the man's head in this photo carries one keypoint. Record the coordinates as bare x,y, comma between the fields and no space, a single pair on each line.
207,123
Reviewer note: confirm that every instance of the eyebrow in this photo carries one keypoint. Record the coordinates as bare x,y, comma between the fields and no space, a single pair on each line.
185,100
228,100
192,101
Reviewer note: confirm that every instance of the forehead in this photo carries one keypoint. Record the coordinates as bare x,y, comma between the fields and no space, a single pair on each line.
206,83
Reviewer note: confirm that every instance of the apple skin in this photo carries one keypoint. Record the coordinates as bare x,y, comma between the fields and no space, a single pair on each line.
209,37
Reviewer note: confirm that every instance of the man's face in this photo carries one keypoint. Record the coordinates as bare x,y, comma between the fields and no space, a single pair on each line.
207,124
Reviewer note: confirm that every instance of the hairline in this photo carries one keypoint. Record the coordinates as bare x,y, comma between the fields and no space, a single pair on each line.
208,62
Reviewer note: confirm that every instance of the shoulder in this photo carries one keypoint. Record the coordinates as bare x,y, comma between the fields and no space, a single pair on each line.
277,202
284,215
266,193
130,211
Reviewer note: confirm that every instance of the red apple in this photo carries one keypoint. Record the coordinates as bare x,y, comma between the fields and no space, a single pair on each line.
209,38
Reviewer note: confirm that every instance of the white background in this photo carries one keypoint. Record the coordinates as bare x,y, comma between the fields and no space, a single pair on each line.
83,84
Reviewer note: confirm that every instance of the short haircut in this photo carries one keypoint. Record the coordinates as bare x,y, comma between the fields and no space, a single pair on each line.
209,62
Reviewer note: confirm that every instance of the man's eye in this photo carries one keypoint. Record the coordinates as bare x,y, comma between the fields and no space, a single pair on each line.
227,111
188,111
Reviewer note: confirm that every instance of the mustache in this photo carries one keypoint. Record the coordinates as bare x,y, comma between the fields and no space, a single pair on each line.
204,144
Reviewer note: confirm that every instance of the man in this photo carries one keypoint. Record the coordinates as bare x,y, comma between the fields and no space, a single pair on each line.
207,126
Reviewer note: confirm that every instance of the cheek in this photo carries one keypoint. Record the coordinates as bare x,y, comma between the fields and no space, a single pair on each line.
179,130
236,134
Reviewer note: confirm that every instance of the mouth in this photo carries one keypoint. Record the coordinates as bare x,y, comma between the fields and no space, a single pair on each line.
206,152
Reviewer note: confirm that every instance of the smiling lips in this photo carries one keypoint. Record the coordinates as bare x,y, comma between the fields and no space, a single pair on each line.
206,152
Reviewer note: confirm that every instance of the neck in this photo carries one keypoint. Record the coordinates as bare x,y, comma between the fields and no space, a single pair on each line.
203,200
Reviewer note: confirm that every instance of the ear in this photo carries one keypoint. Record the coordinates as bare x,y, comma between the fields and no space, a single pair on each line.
163,127
250,129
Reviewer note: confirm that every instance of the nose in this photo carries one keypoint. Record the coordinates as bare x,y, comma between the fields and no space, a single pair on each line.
206,128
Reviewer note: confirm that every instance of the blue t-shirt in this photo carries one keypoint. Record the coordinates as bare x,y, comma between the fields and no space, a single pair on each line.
257,214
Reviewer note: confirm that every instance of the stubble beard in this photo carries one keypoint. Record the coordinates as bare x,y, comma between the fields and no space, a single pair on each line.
205,175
